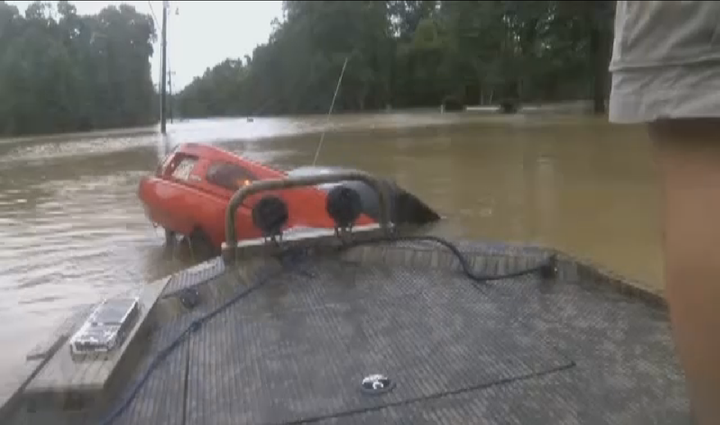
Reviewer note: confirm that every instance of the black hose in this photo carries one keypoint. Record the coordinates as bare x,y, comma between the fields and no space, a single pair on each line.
546,269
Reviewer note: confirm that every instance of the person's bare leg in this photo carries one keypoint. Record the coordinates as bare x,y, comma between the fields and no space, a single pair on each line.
688,154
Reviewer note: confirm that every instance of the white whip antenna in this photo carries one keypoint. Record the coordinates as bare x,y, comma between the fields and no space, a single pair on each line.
332,104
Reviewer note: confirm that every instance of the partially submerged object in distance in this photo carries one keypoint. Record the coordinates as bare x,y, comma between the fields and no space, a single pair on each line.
189,193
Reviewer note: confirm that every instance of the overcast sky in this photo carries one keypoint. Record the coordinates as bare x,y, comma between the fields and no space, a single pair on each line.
201,33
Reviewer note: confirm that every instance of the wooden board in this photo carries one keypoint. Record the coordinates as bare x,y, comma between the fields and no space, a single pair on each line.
63,374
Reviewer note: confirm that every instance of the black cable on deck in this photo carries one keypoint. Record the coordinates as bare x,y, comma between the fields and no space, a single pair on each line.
295,258
546,270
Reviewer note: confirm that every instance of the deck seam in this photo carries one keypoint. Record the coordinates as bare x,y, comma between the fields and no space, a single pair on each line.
186,384
443,394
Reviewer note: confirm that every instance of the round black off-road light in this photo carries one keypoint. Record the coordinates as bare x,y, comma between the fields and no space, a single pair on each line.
344,206
270,215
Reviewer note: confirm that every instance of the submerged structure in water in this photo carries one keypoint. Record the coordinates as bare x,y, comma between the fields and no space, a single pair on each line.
366,324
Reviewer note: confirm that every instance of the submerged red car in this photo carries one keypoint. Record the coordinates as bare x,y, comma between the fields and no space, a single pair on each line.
190,191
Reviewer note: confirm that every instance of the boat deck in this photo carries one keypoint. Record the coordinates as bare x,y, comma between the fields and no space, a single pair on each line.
303,334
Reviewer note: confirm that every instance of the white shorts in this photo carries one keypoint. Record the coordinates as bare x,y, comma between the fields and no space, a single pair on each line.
666,61
649,94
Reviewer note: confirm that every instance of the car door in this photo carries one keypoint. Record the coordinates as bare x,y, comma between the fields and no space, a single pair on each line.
225,178
180,198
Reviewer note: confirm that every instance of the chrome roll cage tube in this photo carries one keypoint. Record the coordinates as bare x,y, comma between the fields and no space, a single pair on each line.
230,246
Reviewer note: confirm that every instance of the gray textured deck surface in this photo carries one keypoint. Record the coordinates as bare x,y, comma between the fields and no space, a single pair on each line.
196,275
519,351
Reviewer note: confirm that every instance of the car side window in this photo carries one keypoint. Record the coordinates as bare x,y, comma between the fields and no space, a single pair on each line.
184,168
229,176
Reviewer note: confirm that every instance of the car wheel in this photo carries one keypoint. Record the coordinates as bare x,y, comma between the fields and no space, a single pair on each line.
201,248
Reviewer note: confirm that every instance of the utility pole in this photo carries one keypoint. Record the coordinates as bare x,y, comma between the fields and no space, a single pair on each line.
171,103
163,72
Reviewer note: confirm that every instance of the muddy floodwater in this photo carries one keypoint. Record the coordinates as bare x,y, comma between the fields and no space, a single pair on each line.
72,230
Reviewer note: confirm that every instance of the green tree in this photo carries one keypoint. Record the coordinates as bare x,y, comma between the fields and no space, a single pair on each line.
414,53
63,72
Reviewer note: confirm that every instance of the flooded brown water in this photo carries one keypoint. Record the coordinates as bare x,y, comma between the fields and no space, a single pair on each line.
73,230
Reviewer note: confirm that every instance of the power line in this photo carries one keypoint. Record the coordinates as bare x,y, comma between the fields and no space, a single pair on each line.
171,103
152,10
157,25
163,66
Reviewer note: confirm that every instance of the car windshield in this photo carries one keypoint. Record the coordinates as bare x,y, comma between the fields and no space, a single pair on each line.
228,176
312,171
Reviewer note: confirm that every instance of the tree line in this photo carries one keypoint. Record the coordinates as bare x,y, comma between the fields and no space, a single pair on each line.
414,54
61,72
